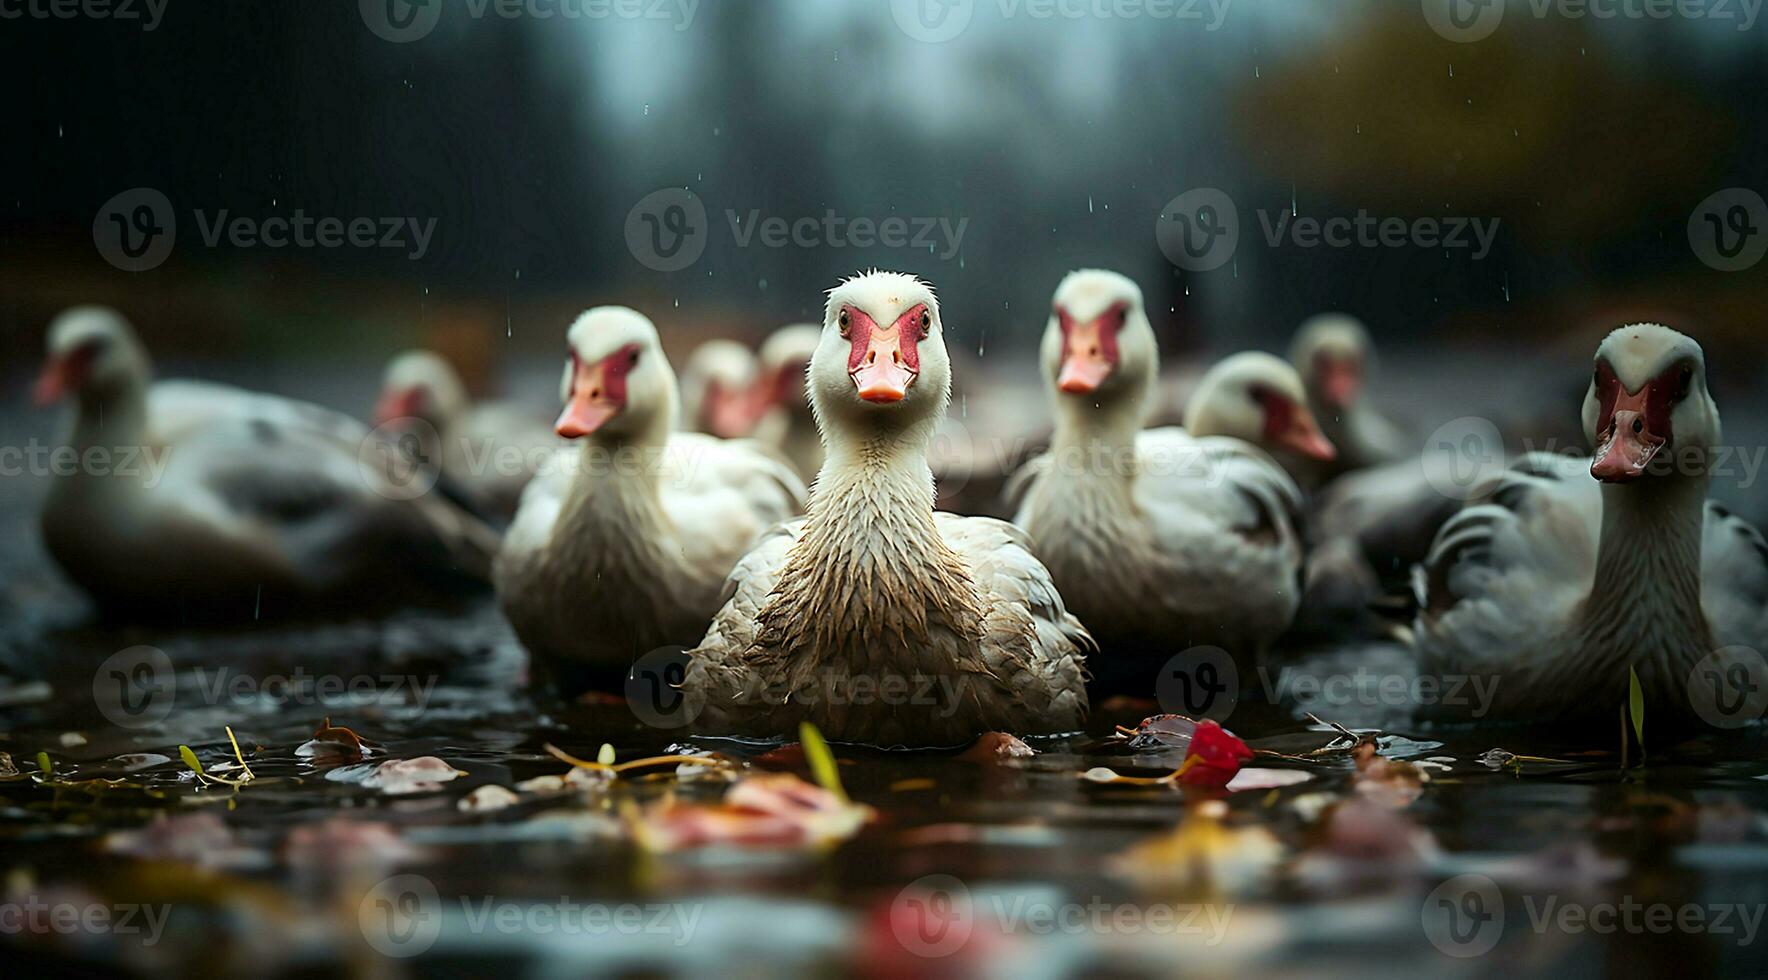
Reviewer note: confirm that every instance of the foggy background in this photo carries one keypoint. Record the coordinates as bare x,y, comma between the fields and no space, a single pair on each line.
1054,140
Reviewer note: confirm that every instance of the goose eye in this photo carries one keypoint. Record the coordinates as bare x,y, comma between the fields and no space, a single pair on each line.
843,321
925,320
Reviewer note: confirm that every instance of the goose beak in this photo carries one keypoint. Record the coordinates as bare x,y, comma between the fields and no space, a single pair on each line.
1085,365
729,414
397,403
881,376
1303,435
1340,381
1629,445
61,374
591,404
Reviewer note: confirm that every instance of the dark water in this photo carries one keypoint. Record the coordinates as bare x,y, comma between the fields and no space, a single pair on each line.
1592,871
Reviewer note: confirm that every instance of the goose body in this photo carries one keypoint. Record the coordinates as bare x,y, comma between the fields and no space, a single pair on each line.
623,544
1165,538
488,450
875,617
242,503
1552,586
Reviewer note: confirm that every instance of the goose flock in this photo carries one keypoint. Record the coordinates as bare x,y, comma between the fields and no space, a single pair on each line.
774,515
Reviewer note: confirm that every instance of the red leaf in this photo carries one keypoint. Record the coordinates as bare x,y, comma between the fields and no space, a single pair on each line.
1214,757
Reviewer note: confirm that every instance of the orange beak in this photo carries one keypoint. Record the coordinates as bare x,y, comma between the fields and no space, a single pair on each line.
882,376
396,403
1303,435
591,405
1629,444
1084,364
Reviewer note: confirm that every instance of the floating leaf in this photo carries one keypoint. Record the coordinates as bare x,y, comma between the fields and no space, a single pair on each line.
822,761
606,755
190,759
1218,754
486,799
44,764
769,810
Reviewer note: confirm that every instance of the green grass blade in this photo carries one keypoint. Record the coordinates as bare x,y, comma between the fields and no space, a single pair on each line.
821,760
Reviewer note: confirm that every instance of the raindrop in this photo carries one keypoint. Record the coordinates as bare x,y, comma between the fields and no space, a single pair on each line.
1255,73
647,108
1451,71
762,285
258,603
1506,287
1292,210
1089,204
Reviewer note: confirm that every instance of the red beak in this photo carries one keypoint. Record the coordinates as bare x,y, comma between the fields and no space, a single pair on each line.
398,403
1629,443
592,404
1340,381
882,376
1301,433
1085,360
60,375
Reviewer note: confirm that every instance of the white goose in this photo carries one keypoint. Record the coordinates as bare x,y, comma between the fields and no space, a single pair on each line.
1335,358
718,389
221,503
876,618
1554,585
1167,537
623,544
787,422
489,450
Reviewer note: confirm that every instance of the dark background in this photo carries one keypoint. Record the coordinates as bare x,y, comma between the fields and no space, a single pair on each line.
529,140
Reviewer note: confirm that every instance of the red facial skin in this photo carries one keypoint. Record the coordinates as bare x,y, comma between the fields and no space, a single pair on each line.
63,374
1089,350
1292,426
1215,756
598,392
1632,426
884,361
728,413
1340,379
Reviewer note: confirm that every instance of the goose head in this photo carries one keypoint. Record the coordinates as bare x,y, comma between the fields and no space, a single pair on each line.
716,389
880,365
1257,398
617,383
92,352
1333,354
785,359
1098,345
420,384
1648,400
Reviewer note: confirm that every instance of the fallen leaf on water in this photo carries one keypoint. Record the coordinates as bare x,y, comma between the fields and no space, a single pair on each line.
1251,779
766,810
1218,754
424,774
994,747
487,799
1391,782
335,744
